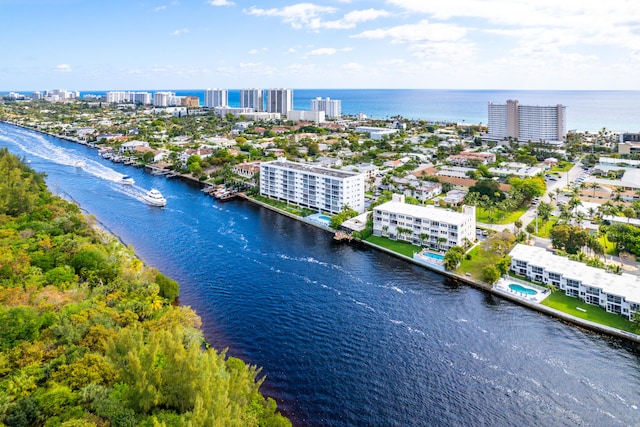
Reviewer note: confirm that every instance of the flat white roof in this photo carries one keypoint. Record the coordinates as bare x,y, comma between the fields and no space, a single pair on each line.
430,212
624,285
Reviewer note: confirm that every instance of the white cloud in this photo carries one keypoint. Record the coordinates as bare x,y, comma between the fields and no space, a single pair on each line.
351,19
62,68
308,15
298,15
420,32
180,32
328,51
221,3
584,23
159,8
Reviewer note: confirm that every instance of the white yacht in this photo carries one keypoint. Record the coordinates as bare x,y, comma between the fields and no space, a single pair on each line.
79,164
127,180
154,198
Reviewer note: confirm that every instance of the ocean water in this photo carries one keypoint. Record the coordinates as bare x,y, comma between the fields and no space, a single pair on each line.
586,110
349,336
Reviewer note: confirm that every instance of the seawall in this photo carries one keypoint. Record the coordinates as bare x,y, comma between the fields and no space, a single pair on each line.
572,320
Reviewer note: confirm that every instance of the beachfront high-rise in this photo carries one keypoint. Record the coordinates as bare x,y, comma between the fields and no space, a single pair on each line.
325,189
527,122
164,99
216,98
252,98
279,100
332,107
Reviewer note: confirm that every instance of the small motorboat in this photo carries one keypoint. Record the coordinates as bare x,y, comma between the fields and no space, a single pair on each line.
79,164
127,180
154,198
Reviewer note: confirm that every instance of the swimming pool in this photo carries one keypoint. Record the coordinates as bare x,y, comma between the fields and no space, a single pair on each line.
523,290
320,218
435,257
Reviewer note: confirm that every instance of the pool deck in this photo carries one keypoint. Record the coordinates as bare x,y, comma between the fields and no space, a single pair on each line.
502,286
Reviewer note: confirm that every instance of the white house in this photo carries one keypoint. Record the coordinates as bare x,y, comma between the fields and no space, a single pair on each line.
128,146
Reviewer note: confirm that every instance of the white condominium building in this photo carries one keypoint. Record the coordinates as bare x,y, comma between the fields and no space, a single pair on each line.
216,98
332,107
527,122
164,99
313,187
118,96
616,293
252,98
279,100
424,225
142,98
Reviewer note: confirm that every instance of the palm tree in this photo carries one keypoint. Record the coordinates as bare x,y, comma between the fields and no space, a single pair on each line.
423,237
594,186
441,240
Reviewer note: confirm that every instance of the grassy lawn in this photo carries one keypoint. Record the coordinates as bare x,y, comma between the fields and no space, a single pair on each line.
609,247
292,209
403,248
544,228
497,216
562,167
479,260
566,304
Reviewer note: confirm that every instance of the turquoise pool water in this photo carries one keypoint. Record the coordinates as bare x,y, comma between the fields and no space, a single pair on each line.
436,257
522,289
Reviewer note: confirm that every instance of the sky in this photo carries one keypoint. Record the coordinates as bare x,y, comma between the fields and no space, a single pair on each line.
448,44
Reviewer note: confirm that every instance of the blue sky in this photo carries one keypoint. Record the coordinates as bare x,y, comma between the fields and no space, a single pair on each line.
451,44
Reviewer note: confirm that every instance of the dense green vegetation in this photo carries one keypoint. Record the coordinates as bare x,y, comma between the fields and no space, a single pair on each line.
90,336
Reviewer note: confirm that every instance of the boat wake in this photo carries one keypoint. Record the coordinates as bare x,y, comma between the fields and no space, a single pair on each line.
38,146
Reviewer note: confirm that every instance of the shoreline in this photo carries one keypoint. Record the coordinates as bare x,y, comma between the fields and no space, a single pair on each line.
548,311
551,312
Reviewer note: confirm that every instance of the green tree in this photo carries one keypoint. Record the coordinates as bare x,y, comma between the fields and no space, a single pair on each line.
452,258
169,288
490,274
18,324
569,238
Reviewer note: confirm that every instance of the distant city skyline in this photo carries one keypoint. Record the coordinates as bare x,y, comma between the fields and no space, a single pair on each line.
459,44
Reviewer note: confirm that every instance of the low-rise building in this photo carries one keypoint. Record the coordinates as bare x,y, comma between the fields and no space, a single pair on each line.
375,132
315,187
424,225
616,293
466,158
518,169
247,169
306,116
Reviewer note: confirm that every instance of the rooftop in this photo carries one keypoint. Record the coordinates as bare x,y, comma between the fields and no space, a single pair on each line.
336,173
624,285
430,212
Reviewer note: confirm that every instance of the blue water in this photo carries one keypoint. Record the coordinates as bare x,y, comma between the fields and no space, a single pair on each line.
586,110
522,289
437,257
349,336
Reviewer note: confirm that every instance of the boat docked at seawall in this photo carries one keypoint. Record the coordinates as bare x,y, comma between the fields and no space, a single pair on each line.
154,198
127,180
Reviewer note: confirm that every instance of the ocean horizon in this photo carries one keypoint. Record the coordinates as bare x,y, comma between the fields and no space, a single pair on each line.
587,110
